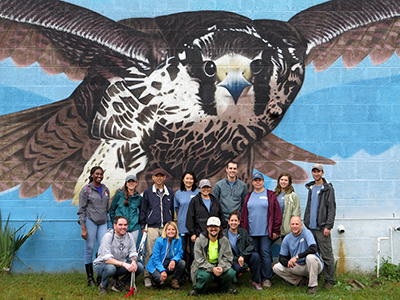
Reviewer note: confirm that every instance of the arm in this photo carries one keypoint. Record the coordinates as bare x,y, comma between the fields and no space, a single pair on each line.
156,256
248,243
190,216
179,254
245,191
217,191
143,211
225,256
82,211
277,215
296,205
114,206
201,258
331,209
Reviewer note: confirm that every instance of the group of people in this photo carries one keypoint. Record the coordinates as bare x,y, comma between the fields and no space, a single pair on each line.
217,236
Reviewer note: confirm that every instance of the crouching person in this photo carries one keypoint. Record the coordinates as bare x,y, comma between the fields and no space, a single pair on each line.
212,260
167,257
117,256
299,258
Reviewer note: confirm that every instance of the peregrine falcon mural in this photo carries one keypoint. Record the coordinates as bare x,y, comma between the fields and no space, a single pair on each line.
188,91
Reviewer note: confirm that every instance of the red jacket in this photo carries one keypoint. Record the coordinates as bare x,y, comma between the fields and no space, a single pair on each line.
274,214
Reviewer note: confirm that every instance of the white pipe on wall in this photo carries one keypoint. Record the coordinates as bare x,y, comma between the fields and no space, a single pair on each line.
379,256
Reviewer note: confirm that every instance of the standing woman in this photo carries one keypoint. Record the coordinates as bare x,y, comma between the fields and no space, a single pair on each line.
262,218
288,201
126,203
182,199
93,209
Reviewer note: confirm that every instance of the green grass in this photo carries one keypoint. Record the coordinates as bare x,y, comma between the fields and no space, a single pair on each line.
73,286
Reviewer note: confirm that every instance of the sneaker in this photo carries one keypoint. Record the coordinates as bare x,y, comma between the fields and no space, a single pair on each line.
102,289
328,285
118,286
192,293
233,292
312,290
257,286
267,283
147,282
175,284
303,282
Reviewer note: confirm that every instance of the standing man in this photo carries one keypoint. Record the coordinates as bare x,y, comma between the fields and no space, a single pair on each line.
212,260
157,209
299,257
319,218
230,191
117,256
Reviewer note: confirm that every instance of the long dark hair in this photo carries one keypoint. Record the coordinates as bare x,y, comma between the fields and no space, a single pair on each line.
289,188
235,212
92,170
194,186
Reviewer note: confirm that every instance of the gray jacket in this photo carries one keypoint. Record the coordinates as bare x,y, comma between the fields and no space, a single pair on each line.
230,199
225,256
326,206
93,205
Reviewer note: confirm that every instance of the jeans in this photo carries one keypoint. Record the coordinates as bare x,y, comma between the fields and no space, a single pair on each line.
94,232
262,245
178,272
108,270
254,263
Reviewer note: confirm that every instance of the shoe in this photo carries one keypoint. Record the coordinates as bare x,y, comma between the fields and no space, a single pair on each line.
91,282
147,282
312,290
267,283
118,286
233,292
175,284
328,285
192,293
257,286
102,289
303,282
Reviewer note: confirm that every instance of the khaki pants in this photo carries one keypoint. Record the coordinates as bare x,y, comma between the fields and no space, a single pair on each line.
311,268
152,235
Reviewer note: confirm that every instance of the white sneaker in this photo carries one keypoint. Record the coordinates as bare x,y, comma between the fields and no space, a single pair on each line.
267,283
147,282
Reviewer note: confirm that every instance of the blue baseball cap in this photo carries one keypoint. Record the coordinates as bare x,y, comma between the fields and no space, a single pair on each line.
258,175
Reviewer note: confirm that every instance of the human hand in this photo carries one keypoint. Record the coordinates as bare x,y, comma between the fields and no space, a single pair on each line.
84,233
193,238
171,265
327,232
163,276
217,271
274,236
292,262
241,261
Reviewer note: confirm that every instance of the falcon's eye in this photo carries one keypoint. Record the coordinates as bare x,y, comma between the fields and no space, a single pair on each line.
256,66
209,68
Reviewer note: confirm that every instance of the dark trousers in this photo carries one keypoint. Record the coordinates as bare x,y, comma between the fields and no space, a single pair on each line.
254,263
178,272
204,280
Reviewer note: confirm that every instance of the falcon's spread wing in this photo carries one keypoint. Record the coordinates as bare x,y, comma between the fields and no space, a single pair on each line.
352,29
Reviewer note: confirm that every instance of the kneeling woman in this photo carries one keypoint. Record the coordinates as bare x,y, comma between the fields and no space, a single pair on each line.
167,257
242,245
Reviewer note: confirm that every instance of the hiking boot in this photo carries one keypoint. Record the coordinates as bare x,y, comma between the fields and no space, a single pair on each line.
147,282
257,286
303,282
102,289
118,286
328,285
312,290
267,283
192,293
175,284
233,292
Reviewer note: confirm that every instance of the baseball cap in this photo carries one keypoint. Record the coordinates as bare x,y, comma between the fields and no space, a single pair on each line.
258,175
130,177
318,167
159,171
204,182
213,221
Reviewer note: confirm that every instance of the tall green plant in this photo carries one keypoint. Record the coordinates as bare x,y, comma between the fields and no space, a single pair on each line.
11,240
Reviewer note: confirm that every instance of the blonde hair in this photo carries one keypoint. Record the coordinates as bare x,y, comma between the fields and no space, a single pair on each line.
164,233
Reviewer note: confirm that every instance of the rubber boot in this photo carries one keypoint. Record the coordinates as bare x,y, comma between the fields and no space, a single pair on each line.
89,273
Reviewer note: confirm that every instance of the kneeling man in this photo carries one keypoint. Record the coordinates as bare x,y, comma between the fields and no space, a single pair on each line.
299,257
212,260
117,256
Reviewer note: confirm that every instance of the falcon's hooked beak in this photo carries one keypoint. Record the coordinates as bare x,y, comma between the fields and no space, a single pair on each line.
233,72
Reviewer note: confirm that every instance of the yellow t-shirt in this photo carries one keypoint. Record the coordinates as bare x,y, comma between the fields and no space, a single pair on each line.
212,255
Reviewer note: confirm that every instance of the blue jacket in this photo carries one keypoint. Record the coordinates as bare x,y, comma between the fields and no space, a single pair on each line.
176,253
151,212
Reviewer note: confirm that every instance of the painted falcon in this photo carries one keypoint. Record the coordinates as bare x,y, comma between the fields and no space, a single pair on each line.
188,91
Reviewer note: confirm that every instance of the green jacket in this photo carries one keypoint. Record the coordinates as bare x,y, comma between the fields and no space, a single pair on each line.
131,212
225,256
292,208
